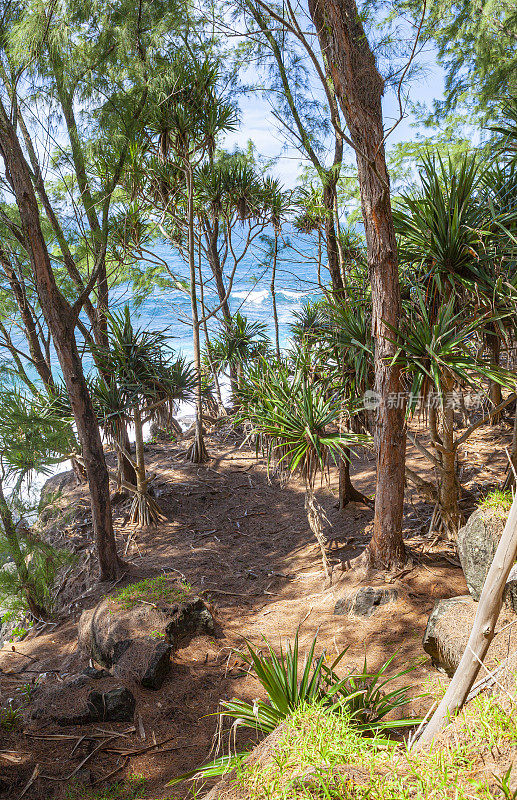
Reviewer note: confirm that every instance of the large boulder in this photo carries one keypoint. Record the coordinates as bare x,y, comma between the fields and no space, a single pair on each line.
448,630
135,639
477,543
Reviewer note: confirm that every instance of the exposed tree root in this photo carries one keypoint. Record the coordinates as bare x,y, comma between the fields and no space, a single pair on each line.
197,452
145,511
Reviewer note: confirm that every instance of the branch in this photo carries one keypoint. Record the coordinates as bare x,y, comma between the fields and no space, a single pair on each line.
482,421
425,452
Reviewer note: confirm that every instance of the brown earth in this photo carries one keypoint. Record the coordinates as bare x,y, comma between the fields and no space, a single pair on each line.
240,537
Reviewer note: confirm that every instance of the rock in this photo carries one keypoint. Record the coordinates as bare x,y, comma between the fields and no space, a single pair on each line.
96,674
116,705
73,702
124,640
158,666
448,630
189,618
477,542
365,600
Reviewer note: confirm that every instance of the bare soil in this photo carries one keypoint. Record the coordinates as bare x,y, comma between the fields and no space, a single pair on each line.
241,537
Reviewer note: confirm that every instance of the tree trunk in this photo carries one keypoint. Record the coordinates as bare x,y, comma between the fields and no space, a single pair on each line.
494,347
482,633
273,296
359,88
333,259
347,491
29,324
509,481
448,486
61,320
197,452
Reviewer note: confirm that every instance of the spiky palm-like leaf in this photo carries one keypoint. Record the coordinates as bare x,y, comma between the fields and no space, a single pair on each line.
291,683
243,342
294,420
433,348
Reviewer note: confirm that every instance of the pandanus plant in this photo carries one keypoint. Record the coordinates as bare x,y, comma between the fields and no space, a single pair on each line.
237,346
435,351
293,419
147,378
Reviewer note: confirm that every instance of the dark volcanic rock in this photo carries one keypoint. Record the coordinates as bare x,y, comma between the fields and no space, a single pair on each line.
365,601
117,705
158,666
96,674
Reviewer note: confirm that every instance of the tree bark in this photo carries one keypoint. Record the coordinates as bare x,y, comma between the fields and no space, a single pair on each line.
448,486
197,453
61,319
359,88
273,297
31,333
494,347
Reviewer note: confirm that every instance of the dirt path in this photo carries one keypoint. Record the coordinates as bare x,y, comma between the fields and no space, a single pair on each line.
243,539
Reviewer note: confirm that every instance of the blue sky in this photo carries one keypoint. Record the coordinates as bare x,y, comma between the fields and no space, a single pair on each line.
259,124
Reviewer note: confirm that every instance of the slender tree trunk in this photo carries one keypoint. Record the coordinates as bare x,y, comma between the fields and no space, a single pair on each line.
494,347
197,452
29,324
509,481
448,489
212,238
220,405
18,558
331,240
359,88
61,320
124,466
273,296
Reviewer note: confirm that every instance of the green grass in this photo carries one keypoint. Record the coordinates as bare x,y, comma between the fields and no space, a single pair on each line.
152,590
9,717
321,757
498,500
131,788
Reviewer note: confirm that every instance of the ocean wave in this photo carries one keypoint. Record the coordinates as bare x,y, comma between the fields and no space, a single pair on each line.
291,294
254,297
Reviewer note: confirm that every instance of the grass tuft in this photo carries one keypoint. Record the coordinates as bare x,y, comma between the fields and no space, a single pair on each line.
151,590
322,756
498,500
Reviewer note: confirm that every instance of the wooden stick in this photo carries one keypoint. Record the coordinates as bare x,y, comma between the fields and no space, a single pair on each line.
482,632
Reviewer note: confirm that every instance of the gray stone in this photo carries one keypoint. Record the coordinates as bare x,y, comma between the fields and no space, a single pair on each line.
365,601
448,630
477,542
441,640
